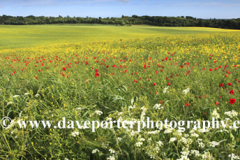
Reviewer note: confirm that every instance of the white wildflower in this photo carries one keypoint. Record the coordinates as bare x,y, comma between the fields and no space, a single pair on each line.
120,113
119,139
233,156
215,114
213,143
75,133
206,156
99,112
143,113
168,130
141,139
132,100
111,158
160,143
186,91
16,96
194,135
157,106
10,102
165,89
186,135
156,149
195,152
183,158
184,140
132,107
154,132
111,151
25,94
138,144
37,95
172,139
232,113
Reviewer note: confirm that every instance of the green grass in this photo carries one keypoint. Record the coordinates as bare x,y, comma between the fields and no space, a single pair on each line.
42,35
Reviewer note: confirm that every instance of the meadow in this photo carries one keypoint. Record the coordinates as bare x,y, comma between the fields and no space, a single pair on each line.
99,72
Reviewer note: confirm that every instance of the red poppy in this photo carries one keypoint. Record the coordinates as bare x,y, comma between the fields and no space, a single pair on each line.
210,69
186,104
168,84
229,84
64,68
231,92
154,84
232,101
217,103
221,85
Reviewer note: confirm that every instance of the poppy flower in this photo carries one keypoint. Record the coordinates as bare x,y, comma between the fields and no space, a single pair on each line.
186,104
168,84
232,101
221,85
154,84
231,92
216,103
229,84
64,68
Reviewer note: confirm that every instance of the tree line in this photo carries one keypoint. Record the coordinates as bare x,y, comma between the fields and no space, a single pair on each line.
124,20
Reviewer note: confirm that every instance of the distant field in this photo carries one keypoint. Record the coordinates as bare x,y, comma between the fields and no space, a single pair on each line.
42,35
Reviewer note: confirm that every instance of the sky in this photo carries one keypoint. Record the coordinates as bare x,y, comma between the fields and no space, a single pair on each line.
219,9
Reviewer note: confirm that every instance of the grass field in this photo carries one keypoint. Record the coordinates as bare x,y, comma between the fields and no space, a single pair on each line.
86,73
43,35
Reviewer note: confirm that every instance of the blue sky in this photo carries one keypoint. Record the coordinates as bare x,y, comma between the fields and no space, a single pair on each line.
117,8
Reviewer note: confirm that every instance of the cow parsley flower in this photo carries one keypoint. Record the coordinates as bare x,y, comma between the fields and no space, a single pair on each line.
172,139
37,95
232,113
16,96
160,143
165,89
10,102
138,144
99,112
75,133
186,91
111,158
111,151
157,106
215,114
